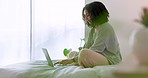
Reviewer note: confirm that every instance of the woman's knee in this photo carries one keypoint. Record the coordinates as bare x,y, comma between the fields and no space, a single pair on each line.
85,58
89,58
85,53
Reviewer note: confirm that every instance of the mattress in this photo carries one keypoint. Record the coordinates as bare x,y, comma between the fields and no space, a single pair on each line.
40,69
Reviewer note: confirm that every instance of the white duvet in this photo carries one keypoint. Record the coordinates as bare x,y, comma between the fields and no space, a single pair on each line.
36,70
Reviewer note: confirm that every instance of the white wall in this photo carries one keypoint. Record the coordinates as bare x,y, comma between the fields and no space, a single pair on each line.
122,14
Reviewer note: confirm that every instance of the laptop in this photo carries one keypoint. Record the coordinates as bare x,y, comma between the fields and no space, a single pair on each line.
49,61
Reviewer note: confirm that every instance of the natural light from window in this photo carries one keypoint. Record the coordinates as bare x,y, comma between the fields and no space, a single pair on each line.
57,24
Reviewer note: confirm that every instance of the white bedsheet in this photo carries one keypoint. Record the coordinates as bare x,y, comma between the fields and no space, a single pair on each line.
36,70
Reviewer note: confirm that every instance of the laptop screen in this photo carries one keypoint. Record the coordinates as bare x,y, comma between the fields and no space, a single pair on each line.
50,63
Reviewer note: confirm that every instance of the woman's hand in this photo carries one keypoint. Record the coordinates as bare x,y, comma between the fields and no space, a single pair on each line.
65,61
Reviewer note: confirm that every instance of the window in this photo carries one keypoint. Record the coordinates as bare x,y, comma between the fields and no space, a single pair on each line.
14,31
57,24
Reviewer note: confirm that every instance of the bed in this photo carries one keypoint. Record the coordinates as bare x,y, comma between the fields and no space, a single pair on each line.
40,69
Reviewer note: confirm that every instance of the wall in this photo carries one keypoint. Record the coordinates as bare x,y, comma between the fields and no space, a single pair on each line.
122,14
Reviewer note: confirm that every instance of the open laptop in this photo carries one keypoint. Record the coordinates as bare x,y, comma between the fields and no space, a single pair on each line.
49,61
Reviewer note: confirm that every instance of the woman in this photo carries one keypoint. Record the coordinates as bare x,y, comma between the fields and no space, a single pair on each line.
101,47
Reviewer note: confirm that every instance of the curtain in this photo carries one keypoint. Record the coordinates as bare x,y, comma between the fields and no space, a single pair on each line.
14,31
51,24
57,24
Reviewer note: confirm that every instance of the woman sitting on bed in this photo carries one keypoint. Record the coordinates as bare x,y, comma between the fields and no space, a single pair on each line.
101,47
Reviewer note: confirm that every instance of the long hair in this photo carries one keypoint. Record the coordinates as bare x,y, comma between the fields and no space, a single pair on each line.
98,13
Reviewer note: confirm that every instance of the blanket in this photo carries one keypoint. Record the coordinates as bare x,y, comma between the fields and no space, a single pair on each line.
41,69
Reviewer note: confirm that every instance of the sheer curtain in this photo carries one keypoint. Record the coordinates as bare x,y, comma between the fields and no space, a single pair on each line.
57,24
14,31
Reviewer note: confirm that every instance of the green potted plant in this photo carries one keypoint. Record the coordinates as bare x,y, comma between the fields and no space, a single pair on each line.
139,39
144,17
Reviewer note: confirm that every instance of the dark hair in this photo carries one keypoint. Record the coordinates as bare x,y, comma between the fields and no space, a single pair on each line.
98,13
